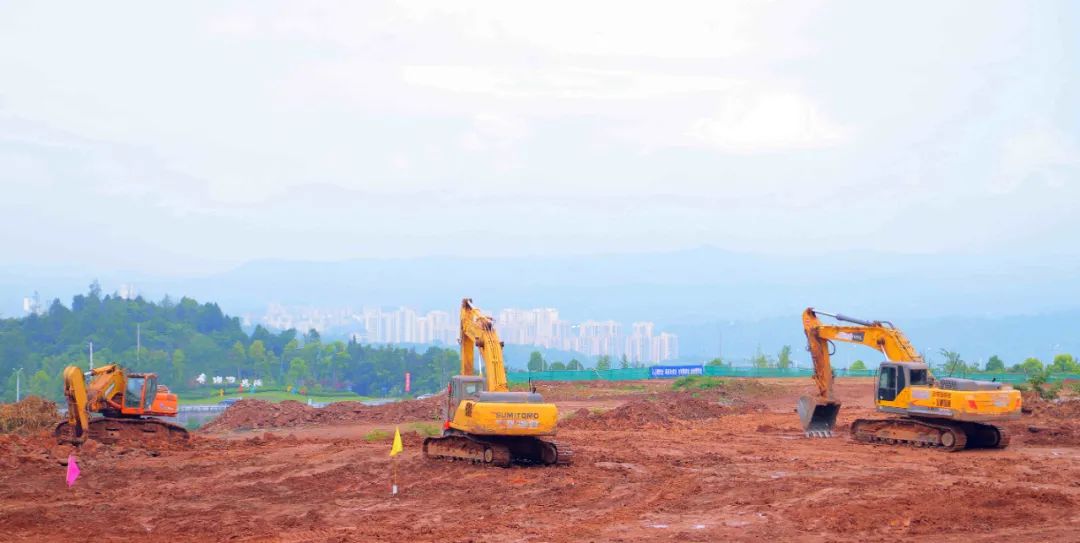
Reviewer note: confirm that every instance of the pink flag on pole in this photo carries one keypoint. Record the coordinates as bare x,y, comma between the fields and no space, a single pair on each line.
73,470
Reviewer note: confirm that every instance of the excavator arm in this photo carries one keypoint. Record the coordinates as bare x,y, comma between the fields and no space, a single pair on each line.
478,332
878,335
75,394
819,413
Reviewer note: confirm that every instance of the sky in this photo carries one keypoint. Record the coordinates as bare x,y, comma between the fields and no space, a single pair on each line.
194,137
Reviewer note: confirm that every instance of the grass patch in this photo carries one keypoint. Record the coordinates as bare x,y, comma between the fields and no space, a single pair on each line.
429,429
275,396
698,382
377,434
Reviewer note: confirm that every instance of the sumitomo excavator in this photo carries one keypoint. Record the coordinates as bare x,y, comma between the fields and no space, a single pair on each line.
485,422
128,404
948,413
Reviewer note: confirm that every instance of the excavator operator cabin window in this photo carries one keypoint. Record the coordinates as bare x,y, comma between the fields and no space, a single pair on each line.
151,392
887,383
471,389
918,377
888,378
133,392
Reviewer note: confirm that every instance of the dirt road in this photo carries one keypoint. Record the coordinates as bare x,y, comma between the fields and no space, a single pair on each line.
741,473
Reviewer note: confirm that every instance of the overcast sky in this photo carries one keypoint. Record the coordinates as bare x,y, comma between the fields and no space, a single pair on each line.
194,137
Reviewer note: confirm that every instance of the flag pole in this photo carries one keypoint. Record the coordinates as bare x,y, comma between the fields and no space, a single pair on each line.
394,477
395,450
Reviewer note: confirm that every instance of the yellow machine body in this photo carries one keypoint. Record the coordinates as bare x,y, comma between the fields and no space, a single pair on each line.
952,413
485,422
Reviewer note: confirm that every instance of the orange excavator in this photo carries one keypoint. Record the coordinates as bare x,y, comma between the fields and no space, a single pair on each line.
948,413
126,405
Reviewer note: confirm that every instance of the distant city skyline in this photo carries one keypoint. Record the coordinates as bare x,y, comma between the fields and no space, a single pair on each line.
539,327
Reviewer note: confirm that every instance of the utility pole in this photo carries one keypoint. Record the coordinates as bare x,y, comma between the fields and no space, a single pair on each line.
91,355
18,384
138,341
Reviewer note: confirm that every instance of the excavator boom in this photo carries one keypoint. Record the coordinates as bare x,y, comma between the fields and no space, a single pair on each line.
478,332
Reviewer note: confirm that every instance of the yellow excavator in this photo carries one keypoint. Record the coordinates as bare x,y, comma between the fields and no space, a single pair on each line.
127,404
948,413
485,422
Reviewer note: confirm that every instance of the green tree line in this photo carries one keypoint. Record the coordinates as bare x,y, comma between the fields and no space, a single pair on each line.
179,340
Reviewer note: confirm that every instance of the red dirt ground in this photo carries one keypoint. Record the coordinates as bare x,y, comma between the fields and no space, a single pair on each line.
716,467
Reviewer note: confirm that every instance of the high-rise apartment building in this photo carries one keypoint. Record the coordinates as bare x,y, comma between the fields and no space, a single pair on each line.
540,326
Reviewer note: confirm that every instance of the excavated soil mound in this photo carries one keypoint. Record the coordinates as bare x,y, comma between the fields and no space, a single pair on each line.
1060,434
667,411
28,416
1058,409
1054,423
252,414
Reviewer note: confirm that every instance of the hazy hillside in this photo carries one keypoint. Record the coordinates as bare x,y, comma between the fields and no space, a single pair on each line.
970,303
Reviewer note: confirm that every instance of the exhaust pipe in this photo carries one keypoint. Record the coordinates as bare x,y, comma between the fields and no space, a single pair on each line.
818,416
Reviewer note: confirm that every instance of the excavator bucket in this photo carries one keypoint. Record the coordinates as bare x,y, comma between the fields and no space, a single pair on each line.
818,416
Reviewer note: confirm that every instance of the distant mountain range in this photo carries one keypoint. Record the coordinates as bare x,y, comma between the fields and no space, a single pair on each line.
715,300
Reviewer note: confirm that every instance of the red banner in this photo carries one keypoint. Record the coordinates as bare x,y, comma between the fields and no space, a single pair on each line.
407,383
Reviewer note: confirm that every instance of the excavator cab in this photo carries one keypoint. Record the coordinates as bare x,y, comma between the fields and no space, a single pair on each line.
139,393
463,387
894,377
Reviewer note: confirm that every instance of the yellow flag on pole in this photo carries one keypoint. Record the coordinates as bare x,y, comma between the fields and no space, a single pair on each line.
396,447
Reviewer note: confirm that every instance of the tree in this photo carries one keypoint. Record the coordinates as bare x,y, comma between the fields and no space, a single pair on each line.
536,361
557,366
623,364
261,361
719,362
995,364
858,365
41,385
178,367
1031,366
761,360
954,365
298,372
1064,363
783,358
256,351
603,363
237,355
574,364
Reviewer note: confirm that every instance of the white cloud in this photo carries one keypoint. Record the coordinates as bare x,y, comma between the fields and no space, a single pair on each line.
767,121
493,132
1038,154
575,83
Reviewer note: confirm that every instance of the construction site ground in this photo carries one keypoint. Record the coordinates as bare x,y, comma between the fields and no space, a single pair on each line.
726,464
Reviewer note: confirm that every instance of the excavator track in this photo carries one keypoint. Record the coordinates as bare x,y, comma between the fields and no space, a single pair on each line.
467,448
564,455
142,431
939,434
497,450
